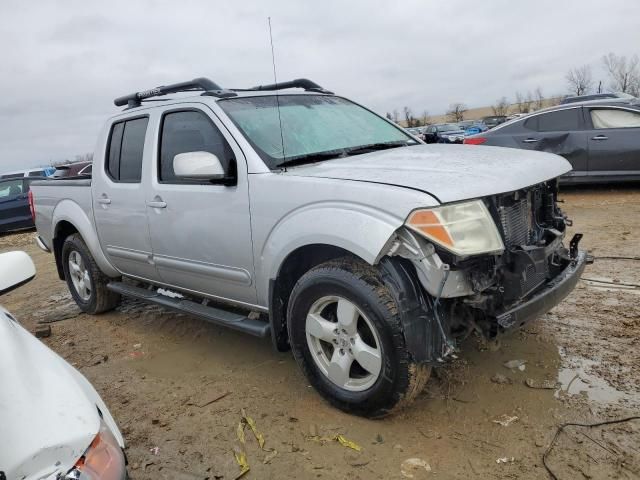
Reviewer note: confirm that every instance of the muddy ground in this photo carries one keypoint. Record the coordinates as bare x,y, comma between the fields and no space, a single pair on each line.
162,375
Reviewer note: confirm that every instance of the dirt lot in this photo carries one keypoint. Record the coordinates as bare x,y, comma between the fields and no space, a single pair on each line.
158,371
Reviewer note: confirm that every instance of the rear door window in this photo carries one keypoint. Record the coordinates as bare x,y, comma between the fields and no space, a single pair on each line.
603,118
126,148
559,121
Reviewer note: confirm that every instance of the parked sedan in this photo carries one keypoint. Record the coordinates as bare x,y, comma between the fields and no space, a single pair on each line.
14,205
444,133
600,139
54,424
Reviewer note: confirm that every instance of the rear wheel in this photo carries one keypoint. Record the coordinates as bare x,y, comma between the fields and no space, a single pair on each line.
86,282
347,337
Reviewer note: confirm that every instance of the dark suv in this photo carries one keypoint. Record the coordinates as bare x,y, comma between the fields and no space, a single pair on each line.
601,139
14,204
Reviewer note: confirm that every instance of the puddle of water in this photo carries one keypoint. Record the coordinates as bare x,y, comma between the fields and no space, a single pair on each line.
575,379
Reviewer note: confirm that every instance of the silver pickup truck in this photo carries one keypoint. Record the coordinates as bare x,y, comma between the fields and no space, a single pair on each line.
303,216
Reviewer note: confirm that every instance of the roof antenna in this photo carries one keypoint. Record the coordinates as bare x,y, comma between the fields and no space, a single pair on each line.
275,80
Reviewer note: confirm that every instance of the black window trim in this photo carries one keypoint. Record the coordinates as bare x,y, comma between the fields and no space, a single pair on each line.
226,181
108,147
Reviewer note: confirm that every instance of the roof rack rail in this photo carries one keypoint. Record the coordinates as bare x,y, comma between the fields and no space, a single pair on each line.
297,83
210,88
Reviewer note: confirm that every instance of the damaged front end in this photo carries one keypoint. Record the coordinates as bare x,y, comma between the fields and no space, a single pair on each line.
496,290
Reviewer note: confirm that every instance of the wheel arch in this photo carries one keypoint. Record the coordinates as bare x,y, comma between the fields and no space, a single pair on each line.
70,218
296,264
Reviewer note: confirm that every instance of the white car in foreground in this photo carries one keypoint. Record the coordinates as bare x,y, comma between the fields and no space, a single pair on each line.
53,424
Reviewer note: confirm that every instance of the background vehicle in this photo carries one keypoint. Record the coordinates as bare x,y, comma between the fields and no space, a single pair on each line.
494,120
471,127
597,96
601,139
54,424
443,133
34,172
77,169
14,204
309,218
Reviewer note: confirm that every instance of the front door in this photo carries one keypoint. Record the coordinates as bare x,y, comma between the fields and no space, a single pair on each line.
614,141
119,205
201,230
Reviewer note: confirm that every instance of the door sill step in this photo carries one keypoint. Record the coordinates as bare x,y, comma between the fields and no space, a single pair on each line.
236,321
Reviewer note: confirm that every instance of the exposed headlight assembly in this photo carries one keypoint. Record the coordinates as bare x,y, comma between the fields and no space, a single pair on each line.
462,228
103,459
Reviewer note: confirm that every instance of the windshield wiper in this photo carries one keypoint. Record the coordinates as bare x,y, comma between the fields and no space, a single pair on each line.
378,146
311,158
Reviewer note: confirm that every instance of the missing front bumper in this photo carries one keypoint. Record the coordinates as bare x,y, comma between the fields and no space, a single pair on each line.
546,298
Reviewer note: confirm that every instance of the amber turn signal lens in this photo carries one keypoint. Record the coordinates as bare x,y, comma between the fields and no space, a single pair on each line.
428,223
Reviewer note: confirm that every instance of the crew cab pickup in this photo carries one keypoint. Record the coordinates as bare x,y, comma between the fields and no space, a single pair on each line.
290,212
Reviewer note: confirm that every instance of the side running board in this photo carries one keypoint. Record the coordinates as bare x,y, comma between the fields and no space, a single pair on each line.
218,316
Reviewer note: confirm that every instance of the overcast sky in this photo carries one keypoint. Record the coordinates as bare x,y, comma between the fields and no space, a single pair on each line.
62,63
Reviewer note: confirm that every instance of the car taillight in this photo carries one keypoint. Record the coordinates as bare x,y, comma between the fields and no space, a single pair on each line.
475,140
32,207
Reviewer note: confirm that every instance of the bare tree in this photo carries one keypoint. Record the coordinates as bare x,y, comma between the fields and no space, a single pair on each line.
84,157
408,117
389,116
624,73
426,119
579,80
501,107
456,112
538,102
395,115
523,104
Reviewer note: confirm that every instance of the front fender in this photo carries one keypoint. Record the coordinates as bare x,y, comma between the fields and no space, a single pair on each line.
357,228
69,211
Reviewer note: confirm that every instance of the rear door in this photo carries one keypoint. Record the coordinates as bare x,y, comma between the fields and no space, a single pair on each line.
201,230
14,206
561,132
614,141
119,205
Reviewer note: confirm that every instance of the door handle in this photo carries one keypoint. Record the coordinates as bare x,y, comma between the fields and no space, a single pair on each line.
530,140
157,204
104,201
600,137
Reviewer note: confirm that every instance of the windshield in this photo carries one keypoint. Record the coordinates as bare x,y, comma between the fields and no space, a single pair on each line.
311,125
447,127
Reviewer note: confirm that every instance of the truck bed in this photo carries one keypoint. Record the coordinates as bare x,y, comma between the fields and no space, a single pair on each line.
60,198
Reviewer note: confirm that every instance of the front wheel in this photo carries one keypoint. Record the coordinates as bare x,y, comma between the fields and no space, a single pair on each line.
86,282
347,337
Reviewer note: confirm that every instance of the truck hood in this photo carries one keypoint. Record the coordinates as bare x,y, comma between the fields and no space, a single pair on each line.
48,410
449,173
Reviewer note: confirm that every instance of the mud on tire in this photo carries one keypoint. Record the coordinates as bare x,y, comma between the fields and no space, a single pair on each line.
399,380
96,298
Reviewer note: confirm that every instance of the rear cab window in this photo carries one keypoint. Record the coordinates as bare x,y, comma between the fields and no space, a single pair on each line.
125,150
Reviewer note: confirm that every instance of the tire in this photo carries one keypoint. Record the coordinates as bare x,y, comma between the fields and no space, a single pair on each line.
88,289
377,324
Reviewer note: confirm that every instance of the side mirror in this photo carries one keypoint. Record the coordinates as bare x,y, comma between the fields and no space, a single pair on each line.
16,269
198,166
